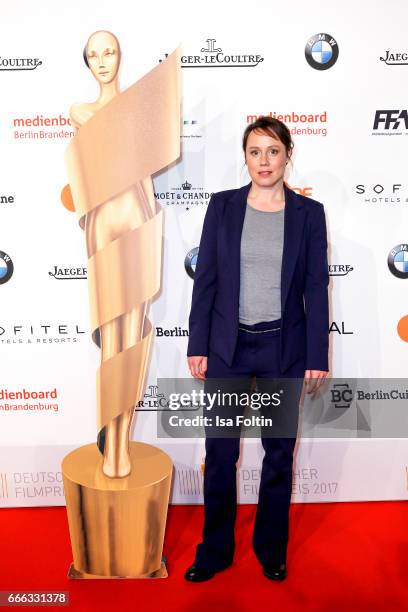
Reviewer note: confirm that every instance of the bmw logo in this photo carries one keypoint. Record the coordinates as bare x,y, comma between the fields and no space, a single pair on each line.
6,268
398,261
190,262
321,51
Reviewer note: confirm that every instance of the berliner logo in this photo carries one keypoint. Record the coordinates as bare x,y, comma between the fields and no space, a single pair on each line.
321,51
398,261
6,268
190,262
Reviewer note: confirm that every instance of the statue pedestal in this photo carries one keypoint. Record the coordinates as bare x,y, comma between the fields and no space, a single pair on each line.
117,525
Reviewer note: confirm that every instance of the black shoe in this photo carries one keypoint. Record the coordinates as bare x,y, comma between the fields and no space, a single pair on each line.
275,571
199,574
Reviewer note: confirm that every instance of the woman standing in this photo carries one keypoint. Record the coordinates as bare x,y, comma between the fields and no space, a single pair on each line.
259,308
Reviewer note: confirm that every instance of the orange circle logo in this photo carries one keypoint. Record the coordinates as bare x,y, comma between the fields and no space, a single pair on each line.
66,198
402,328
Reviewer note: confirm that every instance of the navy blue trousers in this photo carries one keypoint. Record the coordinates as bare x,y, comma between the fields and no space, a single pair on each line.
257,354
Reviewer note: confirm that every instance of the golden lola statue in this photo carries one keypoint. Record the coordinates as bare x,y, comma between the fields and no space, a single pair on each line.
117,491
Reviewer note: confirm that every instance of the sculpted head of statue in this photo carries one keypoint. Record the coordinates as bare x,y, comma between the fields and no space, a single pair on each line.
102,56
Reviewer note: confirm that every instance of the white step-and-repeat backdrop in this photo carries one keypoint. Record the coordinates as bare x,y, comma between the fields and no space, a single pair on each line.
337,75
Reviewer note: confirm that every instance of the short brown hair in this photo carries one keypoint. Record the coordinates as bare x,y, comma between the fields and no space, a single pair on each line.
273,127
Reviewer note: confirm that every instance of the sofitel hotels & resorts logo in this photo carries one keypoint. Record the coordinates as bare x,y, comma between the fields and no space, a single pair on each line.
55,332
388,193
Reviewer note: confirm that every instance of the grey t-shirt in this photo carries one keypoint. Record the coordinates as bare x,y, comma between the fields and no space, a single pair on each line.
261,264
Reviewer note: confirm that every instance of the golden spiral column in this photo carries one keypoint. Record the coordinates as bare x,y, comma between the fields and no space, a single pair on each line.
124,275
117,524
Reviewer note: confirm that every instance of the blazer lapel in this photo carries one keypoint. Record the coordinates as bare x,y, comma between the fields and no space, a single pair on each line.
234,222
294,219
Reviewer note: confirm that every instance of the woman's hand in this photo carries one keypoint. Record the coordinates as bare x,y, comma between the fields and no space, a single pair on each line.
314,379
198,366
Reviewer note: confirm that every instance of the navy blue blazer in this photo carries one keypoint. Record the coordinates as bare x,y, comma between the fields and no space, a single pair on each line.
213,321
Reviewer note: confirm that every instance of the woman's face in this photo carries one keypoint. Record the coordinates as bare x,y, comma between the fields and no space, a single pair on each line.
266,158
103,56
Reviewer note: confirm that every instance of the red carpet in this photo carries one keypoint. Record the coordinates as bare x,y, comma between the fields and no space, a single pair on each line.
345,556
